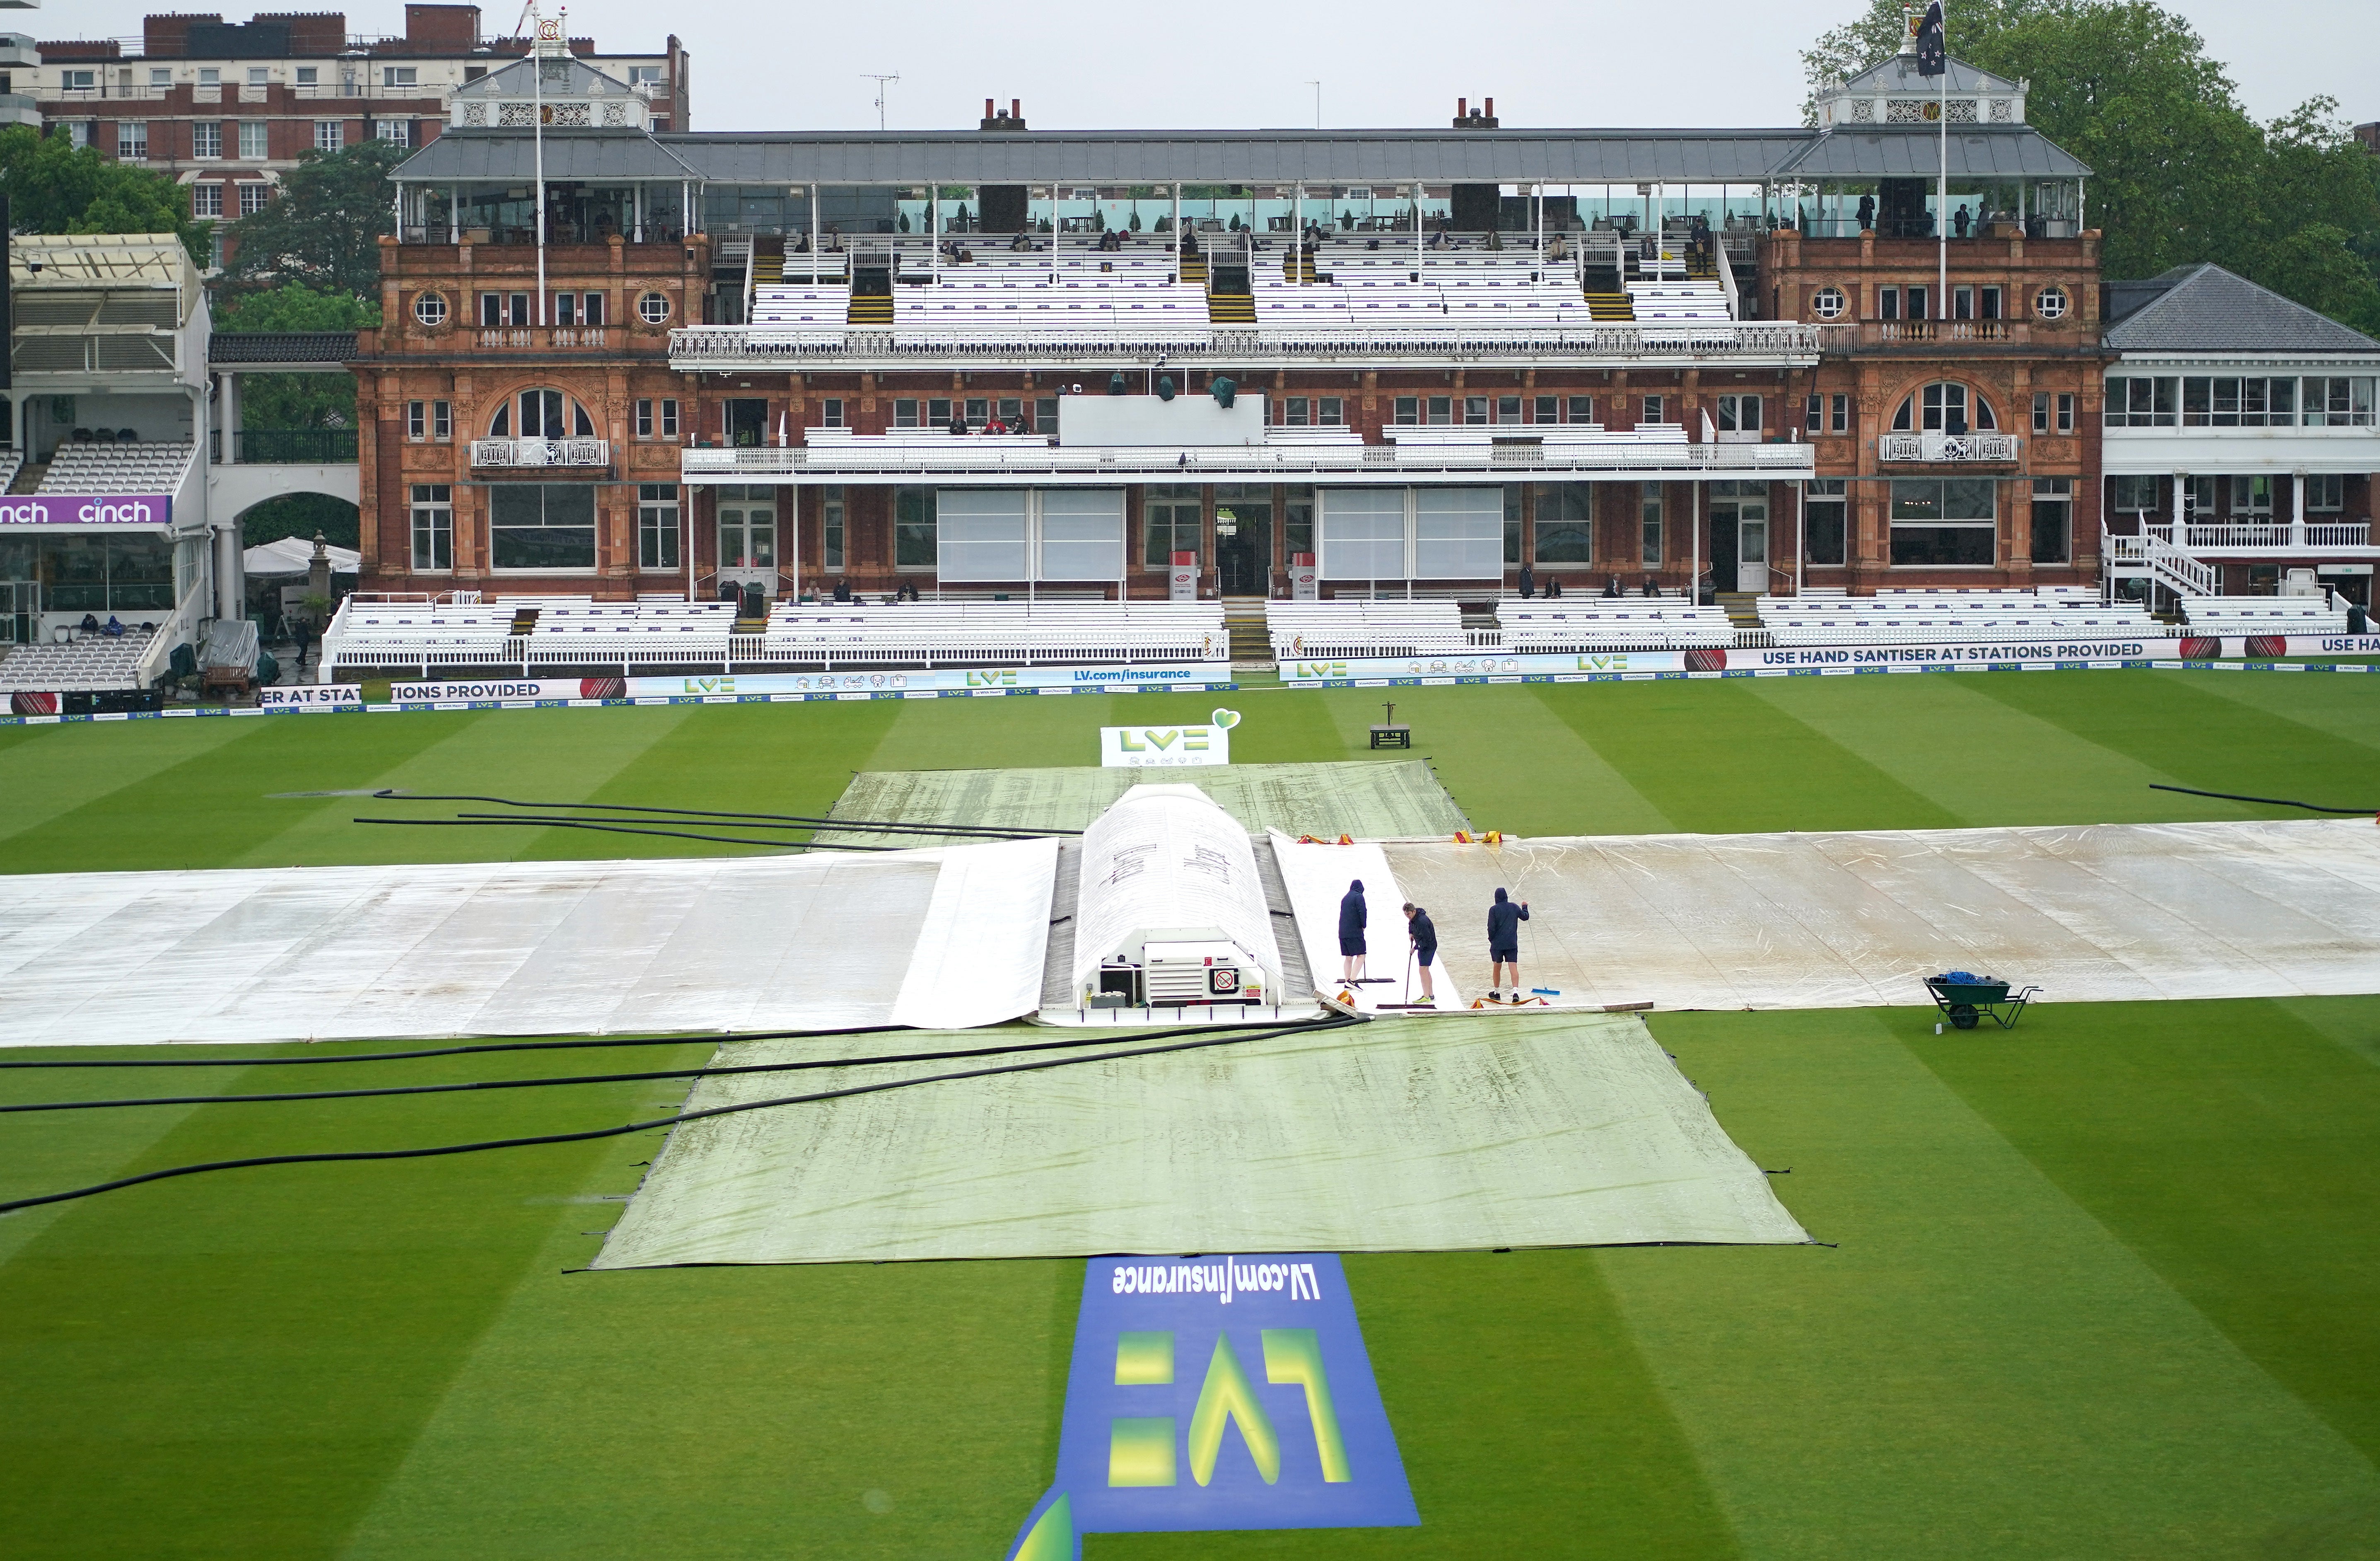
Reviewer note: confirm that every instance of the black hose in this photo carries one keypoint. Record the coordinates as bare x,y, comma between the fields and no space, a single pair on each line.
576,1043
928,832
359,1154
2269,802
623,829
696,1072
713,813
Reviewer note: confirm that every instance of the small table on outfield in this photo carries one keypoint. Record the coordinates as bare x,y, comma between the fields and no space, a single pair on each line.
1391,737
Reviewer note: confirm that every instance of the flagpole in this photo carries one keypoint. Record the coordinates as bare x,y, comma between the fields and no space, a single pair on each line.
1942,192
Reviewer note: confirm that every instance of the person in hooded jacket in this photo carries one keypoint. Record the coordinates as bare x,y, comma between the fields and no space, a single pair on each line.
1504,920
1423,933
1351,929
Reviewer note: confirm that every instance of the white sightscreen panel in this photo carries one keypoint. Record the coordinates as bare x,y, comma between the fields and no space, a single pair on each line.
1459,533
1363,533
982,534
1082,533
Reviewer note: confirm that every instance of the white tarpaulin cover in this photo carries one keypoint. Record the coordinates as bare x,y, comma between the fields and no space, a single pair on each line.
1477,1130
2091,913
1316,877
948,938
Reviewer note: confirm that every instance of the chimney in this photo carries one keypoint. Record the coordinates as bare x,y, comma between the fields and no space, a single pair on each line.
995,120
441,29
1483,120
168,36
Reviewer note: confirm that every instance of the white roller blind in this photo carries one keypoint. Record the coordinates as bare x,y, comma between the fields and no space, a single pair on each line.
1363,533
1082,533
982,534
1459,533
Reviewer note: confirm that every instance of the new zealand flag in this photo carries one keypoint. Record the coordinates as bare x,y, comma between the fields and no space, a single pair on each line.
1932,58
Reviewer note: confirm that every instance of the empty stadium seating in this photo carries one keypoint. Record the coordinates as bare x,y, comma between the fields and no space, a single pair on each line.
2263,614
91,662
975,633
148,467
365,634
1950,616
1605,623
1302,630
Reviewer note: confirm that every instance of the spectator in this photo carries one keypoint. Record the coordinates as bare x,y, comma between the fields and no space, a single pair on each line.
1553,587
958,423
1959,221
1528,584
842,590
1867,212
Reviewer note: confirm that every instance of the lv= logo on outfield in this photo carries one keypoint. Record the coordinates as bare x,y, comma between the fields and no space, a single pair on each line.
1218,1393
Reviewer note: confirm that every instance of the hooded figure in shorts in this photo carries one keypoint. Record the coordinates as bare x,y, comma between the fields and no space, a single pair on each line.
1504,920
1351,929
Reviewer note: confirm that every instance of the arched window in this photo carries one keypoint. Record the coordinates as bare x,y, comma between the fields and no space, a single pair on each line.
1944,407
541,414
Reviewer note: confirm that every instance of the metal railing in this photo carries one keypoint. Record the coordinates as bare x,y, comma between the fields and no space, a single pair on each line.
2278,536
294,446
541,452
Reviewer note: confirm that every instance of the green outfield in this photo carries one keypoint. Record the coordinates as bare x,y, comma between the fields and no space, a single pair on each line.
2101,1286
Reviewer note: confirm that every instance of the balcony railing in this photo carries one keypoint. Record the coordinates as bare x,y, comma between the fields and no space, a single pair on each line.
539,338
541,452
2272,536
295,446
710,346
1026,455
1999,448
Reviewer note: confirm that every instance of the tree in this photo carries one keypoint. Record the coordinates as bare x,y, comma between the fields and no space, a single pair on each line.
2181,173
55,186
324,224
296,401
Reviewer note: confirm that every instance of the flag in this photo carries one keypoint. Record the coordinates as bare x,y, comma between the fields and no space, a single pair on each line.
1932,58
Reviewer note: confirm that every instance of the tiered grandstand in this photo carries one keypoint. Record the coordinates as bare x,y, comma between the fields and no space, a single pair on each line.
927,634
126,466
87,663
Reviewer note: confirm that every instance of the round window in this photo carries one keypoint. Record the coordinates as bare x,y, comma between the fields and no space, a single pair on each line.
652,307
431,310
2050,303
1827,303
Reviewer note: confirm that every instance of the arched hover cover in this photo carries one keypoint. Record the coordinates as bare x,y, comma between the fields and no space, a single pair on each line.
1165,864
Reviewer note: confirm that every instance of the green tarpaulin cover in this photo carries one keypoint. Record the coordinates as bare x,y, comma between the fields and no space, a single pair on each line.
1455,1132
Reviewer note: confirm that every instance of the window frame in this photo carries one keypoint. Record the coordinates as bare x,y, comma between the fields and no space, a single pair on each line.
2052,303
1822,495
593,528
430,310
430,527
660,515
1829,302
653,307
834,528
1580,525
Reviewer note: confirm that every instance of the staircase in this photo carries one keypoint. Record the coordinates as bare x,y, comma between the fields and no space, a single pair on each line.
869,308
1616,307
768,262
1231,309
28,477
1741,608
746,621
1194,270
1243,617
523,621
1297,267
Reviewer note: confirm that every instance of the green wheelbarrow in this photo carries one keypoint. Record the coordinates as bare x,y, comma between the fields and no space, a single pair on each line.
1964,998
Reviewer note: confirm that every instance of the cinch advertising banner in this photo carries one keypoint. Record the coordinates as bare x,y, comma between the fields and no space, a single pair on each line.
1168,748
310,696
86,509
1189,674
1218,1393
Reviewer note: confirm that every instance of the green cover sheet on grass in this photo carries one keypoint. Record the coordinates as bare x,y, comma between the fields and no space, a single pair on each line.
1373,798
1403,1135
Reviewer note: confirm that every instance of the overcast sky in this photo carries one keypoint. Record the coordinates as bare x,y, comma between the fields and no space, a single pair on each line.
1238,64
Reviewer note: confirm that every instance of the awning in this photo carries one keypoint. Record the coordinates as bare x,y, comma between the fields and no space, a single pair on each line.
294,556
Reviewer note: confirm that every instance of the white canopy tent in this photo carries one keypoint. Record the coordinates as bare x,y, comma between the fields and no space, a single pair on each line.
293,557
